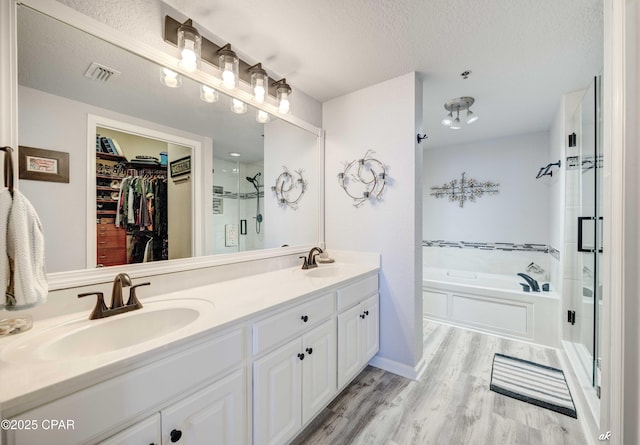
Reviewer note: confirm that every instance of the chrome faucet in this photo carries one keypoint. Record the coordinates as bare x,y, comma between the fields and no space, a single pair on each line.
310,261
117,305
535,287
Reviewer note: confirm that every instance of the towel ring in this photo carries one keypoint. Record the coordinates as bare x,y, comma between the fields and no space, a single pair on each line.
8,169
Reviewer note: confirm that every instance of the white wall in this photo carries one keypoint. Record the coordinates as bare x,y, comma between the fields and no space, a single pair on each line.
383,118
285,145
519,213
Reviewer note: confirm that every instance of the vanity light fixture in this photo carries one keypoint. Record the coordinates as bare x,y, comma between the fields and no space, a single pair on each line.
189,46
170,78
233,69
208,94
262,117
238,107
457,105
283,90
259,83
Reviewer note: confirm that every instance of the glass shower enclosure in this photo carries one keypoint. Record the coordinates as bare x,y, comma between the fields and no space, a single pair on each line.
584,225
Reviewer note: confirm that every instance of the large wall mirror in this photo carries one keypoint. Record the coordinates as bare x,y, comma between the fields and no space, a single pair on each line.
201,175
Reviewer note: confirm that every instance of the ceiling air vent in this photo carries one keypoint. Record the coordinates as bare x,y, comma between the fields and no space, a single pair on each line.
100,73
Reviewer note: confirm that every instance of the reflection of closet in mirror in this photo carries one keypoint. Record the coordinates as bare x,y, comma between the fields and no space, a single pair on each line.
238,205
134,199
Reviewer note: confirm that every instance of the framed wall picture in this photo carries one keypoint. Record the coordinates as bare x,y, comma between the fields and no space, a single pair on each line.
38,164
180,166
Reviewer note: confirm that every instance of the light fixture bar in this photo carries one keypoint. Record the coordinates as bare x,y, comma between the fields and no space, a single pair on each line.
209,52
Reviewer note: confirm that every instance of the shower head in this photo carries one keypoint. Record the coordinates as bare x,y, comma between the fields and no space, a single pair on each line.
253,180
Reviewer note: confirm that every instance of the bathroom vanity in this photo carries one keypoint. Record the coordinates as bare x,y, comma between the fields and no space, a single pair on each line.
251,360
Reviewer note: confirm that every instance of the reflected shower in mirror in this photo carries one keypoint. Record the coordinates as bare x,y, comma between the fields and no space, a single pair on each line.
75,89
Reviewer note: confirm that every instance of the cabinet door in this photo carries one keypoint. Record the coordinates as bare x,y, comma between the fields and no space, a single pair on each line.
215,414
370,328
318,369
277,397
349,345
146,432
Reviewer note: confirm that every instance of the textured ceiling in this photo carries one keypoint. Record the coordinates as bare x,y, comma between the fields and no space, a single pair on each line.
523,54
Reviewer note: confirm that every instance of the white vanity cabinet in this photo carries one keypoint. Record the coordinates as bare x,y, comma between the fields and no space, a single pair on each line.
213,370
144,432
296,380
212,415
358,327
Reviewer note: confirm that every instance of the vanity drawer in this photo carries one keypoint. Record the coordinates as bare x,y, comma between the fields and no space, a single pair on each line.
275,329
354,293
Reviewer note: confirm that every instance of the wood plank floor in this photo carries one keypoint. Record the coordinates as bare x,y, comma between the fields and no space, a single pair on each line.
451,403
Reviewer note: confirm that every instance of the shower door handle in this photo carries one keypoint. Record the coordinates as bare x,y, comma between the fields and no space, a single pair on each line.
581,220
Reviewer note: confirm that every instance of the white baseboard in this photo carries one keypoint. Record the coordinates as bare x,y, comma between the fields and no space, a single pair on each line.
401,369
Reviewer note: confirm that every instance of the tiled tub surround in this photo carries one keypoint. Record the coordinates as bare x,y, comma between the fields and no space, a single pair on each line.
235,304
492,303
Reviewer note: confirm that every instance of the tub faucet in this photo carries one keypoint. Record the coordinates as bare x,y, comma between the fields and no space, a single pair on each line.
535,287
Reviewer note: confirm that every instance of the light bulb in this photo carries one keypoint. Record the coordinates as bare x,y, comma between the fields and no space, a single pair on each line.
238,107
170,78
228,78
471,117
259,93
456,124
262,117
208,94
447,121
284,106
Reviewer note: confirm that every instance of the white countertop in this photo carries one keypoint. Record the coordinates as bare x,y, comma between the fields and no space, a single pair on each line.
26,384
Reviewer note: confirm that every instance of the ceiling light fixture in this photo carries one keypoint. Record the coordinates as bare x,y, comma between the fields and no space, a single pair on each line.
457,105
189,46
234,154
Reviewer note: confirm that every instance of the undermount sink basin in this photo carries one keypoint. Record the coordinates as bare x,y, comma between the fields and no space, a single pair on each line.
323,272
82,338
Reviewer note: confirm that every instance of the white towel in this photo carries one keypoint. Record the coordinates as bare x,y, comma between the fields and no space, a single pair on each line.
5,206
25,248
